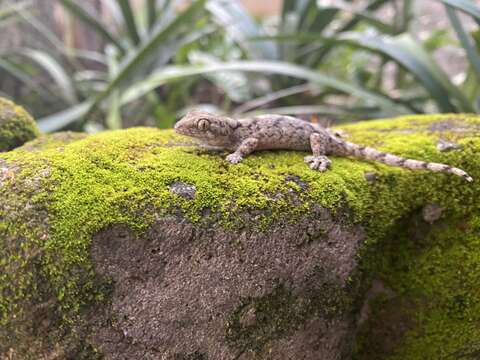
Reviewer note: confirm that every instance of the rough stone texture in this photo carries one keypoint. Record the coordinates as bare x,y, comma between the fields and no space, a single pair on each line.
184,190
177,287
16,126
135,245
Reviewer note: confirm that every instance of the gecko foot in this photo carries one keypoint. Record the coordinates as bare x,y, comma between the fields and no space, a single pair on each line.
320,163
234,158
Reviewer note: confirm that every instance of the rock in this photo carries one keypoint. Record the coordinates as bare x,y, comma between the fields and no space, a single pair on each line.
431,213
16,126
130,245
184,190
370,177
444,145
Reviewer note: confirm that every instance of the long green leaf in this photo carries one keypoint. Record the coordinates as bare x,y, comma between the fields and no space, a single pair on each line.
273,96
465,40
171,73
428,68
151,13
325,50
92,23
315,18
149,47
175,73
287,7
13,9
63,118
409,54
129,20
55,70
57,43
115,12
25,78
42,29
234,84
343,113
367,17
240,25
467,6
114,115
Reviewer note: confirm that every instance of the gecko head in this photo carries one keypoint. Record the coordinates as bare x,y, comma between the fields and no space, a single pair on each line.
210,128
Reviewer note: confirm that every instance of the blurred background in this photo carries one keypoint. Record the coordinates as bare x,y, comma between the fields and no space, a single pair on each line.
109,64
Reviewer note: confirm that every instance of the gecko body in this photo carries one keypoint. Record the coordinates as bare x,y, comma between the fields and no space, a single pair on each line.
267,132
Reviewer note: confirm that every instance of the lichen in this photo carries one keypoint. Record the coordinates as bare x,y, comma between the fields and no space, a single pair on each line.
259,321
435,277
56,195
16,126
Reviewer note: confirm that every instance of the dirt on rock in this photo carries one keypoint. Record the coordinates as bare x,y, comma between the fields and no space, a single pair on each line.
188,292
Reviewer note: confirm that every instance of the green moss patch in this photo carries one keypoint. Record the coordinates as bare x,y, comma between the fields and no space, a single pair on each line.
16,126
435,277
261,320
57,194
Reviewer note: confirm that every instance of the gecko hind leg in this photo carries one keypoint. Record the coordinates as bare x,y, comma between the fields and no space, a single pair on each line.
318,161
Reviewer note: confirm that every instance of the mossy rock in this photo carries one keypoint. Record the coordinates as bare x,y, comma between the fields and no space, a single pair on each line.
137,244
16,126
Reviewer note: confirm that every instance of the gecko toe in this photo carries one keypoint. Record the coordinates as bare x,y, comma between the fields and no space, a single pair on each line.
319,163
234,158
308,159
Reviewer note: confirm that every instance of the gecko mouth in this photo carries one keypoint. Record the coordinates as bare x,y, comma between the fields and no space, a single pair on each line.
181,129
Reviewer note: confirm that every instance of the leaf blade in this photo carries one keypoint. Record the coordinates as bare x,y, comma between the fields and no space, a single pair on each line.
467,44
466,6
273,67
55,70
129,21
146,49
92,22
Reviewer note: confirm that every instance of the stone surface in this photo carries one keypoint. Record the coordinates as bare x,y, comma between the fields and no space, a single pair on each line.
16,126
134,244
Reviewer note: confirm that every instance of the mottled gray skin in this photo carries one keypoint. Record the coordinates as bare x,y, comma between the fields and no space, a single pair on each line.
266,132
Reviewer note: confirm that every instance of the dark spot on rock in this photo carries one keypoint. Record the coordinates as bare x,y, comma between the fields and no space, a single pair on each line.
186,191
431,213
196,355
370,177
444,145
293,178
455,125
249,317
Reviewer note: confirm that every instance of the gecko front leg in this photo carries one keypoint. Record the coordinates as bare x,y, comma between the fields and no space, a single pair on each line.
246,147
318,143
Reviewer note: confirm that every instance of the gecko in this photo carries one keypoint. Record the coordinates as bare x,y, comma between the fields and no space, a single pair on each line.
268,132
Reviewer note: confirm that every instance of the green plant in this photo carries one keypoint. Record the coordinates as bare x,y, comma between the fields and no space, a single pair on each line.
264,42
145,40
294,73
333,60
306,37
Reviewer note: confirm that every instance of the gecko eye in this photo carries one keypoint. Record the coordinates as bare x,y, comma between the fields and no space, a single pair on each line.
203,124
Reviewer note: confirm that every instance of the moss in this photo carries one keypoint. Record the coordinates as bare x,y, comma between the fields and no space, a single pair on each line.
258,321
84,185
435,277
16,126
193,356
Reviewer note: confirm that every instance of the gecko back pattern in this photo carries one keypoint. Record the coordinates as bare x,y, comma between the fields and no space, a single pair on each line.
267,132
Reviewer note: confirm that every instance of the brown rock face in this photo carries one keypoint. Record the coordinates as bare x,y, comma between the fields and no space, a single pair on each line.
136,245
185,292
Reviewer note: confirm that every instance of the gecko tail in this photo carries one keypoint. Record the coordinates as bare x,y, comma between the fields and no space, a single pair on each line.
369,153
